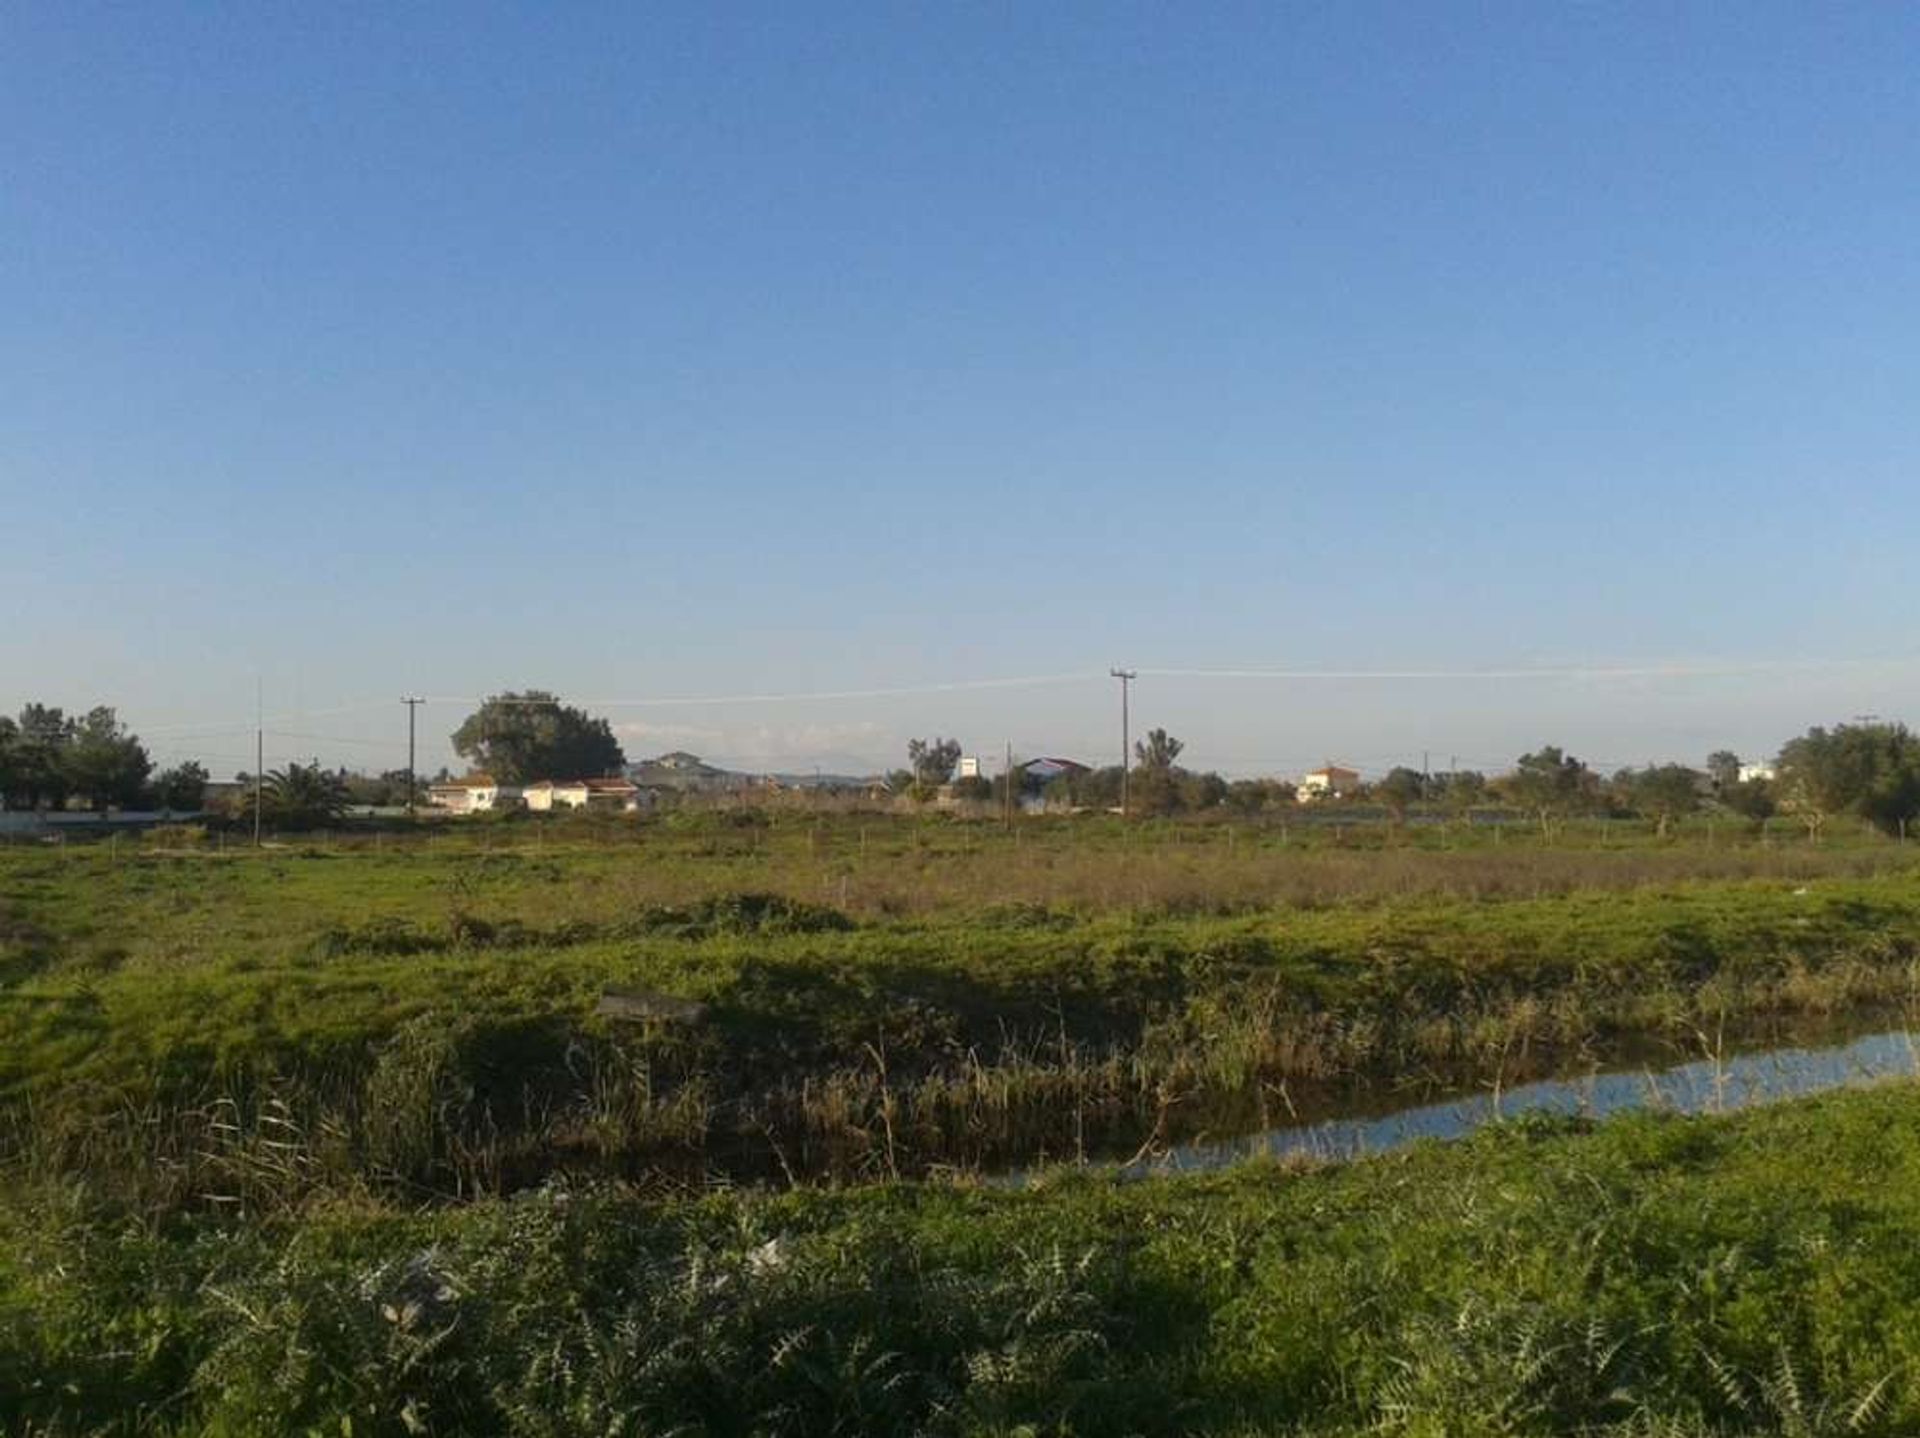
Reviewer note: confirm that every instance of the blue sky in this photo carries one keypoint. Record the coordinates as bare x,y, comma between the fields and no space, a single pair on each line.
707,351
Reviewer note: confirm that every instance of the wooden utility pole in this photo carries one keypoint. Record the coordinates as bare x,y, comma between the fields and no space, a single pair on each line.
1126,678
412,704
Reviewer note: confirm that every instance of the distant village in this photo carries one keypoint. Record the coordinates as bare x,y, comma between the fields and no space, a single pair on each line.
1042,785
530,754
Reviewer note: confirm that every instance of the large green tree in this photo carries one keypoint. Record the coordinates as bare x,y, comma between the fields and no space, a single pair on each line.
529,735
1869,770
1401,790
1723,767
10,761
37,777
1661,792
102,762
933,762
184,786
1551,784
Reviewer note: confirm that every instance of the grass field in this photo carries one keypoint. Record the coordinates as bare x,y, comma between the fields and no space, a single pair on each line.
258,1110
433,1007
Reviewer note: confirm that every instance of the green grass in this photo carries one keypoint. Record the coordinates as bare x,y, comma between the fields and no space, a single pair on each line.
146,999
332,1139
1758,1274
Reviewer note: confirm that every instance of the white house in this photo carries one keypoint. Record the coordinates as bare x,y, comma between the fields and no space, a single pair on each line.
550,794
608,794
1762,770
1329,782
472,795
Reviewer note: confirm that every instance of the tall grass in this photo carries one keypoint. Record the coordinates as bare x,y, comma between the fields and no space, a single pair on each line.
1751,1275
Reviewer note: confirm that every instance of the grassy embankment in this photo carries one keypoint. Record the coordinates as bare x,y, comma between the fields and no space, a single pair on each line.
421,1019
1750,1275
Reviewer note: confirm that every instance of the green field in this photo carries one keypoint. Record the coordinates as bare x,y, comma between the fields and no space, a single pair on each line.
258,1109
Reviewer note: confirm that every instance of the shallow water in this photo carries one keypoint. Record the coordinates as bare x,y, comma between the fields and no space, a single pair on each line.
1706,1086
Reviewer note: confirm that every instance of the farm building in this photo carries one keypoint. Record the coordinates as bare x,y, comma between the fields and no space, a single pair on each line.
474,794
1330,781
1046,770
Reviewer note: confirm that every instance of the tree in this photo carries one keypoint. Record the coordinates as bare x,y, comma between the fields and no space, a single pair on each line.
1157,752
1871,770
932,762
1401,790
102,761
1460,790
10,761
1251,796
1752,798
1095,789
529,735
1550,784
974,789
386,790
1662,792
1157,781
302,796
1723,768
184,786
1201,791
38,778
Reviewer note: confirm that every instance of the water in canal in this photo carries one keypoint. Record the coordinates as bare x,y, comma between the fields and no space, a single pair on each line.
1707,1086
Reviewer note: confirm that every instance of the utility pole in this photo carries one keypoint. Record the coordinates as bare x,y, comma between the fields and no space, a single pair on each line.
412,704
1126,678
1006,783
259,754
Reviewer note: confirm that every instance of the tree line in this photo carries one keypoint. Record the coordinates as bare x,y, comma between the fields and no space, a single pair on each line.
50,759
1869,771
1866,770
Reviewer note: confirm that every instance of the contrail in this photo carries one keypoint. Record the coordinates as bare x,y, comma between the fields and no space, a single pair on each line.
904,691
1678,670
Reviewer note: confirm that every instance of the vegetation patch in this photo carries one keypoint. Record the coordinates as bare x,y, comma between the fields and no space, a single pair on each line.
1656,1275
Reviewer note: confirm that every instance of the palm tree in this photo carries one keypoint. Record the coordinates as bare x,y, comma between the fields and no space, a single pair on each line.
304,796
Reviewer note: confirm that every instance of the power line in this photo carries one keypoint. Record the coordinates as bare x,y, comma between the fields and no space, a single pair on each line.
333,738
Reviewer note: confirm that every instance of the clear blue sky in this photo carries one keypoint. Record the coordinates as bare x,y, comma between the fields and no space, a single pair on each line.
649,352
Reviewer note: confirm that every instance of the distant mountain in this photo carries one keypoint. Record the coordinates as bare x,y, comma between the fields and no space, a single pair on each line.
681,770
689,772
